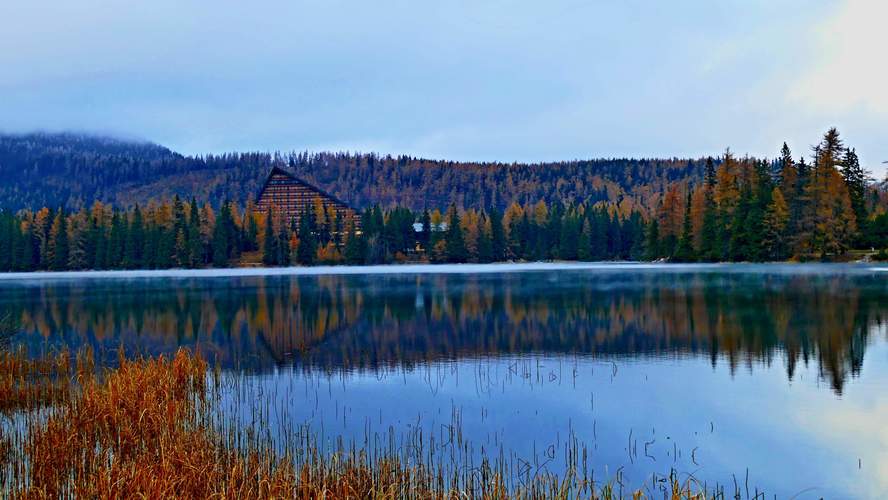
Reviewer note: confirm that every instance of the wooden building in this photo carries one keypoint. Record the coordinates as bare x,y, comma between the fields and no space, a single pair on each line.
287,194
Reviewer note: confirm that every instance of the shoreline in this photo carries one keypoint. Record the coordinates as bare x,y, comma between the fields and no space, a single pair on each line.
390,269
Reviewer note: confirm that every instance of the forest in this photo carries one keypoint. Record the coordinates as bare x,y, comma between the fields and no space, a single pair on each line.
739,210
71,172
752,211
177,234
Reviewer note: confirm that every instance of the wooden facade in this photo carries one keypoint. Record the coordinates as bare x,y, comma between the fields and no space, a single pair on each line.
285,193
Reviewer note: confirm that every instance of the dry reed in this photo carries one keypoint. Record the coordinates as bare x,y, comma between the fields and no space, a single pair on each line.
146,430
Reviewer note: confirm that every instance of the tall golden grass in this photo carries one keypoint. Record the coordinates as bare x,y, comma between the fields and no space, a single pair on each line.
146,430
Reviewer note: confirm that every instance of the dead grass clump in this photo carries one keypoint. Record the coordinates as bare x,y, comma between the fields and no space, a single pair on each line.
145,430
27,384
138,432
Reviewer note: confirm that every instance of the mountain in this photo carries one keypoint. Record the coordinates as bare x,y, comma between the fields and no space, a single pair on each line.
72,170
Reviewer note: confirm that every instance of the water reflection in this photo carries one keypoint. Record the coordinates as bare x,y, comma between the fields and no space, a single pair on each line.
365,322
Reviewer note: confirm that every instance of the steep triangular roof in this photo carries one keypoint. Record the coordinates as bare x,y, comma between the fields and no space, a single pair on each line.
278,170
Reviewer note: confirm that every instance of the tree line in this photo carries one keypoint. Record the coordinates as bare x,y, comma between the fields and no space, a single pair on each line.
741,210
179,234
753,210
72,171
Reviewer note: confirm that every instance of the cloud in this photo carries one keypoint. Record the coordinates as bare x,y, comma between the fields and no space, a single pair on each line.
851,73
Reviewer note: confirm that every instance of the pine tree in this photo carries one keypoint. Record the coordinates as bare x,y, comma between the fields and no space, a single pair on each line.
59,242
832,215
426,235
135,242
685,250
270,251
194,244
652,247
498,242
584,245
354,252
788,176
485,242
454,240
221,237
308,246
775,223
856,179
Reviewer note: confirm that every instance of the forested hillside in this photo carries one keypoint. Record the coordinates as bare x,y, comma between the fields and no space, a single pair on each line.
72,171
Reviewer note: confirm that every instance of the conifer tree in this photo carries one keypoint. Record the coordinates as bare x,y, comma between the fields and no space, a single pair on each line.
354,252
195,245
135,242
221,237
270,251
59,242
425,236
308,246
788,175
775,223
652,247
584,245
685,250
485,241
454,241
498,244
856,179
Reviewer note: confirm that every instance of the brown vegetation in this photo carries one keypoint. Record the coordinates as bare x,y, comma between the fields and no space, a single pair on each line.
144,430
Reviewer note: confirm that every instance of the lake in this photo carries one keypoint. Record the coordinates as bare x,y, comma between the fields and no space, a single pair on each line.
767,377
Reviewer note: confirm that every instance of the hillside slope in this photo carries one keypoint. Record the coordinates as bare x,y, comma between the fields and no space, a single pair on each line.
72,170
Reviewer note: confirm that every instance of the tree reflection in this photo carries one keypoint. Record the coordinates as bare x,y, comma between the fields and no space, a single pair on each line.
366,322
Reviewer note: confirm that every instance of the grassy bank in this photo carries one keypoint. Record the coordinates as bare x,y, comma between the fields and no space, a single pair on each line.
149,428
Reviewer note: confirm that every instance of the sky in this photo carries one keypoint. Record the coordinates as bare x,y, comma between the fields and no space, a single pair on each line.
463,80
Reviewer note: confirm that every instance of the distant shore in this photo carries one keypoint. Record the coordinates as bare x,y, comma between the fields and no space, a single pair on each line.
440,269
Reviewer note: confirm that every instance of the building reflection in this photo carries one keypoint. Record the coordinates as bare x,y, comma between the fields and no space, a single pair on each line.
366,322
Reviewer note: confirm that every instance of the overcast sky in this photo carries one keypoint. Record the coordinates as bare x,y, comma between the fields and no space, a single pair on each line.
473,80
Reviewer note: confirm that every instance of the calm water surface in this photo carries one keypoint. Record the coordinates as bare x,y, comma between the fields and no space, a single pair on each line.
778,373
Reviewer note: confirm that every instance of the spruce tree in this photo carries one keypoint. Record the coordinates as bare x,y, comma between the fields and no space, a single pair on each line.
425,236
498,242
60,249
195,244
221,236
584,245
307,239
270,251
454,241
354,252
685,250
652,248
135,242
856,181
485,242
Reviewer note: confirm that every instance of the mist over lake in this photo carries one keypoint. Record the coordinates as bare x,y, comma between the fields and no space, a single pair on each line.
716,371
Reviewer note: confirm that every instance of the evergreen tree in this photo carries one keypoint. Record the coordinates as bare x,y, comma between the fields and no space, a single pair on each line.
454,240
685,250
354,251
425,236
653,241
308,246
270,251
584,245
135,243
485,241
775,223
221,237
195,245
498,242
856,179
709,248
60,242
